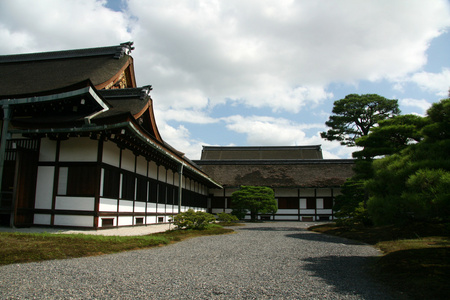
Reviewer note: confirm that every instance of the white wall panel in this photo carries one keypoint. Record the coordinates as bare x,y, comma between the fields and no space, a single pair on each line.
78,149
323,192
287,211
139,206
307,211
285,218
125,206
307,193
125,221
73,220
42,219
170,177
111,154
302,203
151,219
162,174
286,193
324,211
161,208
141,166
47,151
108,204
151,207
128,160
44,190
152,170
319,203
75,203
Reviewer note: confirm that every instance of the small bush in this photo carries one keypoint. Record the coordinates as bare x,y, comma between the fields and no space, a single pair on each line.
191,219
226,218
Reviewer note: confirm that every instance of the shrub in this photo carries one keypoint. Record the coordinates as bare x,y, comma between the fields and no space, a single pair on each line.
191,219
227,218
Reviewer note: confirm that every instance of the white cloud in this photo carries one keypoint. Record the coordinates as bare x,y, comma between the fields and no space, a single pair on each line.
422,104
46,25
437,83
180,139
270,131
280,54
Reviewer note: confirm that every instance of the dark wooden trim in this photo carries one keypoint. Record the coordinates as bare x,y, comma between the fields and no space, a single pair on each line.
55,180
99,180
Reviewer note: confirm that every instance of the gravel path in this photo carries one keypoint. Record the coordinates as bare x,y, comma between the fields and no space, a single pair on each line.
260,261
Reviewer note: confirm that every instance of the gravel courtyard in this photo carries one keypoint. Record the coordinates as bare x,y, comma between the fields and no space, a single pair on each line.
273,260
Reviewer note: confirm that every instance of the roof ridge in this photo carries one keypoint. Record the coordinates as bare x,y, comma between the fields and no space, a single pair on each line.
118,51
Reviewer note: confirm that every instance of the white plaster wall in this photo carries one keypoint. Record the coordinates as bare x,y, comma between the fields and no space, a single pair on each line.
47,151
78,149
75,203
124,221
151,220
128,160
170,177
176,181
217,210
288,211
302,203
161,208
293,218
111,154
108,204
73,220
228,192
139,206
44,190
152,170
323,192
319,203
306,192
324,211
307,211
151,207
286,193
42,219
125,206
162,174
141,166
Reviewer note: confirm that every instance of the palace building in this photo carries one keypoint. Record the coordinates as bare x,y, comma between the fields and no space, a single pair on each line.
80,146
304,183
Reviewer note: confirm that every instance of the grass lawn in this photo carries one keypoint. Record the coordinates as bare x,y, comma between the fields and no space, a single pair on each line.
30,247
416,257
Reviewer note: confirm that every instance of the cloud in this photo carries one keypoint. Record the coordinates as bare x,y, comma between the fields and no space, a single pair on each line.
422,104
48,25
437,83
179,138
279,54
270,131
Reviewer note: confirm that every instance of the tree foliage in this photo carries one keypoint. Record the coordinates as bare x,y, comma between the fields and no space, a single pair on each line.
355,115
391,136
191,219
414,183
256,199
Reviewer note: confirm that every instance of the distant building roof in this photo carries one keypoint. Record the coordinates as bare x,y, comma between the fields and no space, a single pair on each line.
261,152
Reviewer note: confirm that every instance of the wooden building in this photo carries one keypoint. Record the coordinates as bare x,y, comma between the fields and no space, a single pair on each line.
304,183
80,146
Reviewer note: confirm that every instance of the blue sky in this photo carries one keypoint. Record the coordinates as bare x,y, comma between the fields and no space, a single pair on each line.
253,72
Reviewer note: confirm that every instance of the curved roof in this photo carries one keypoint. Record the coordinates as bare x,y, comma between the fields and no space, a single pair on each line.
22,74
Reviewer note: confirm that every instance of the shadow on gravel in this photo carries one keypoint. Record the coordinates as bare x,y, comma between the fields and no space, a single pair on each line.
309,236
347,275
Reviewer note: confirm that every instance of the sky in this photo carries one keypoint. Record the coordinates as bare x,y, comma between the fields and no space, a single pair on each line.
252,72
